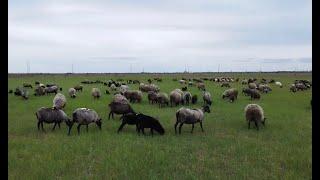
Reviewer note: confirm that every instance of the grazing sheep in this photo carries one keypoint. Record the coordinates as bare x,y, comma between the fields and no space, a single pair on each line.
194,99
18,91
175,97
187,97
231,94
84,116
133,96
96,93
190,116
152,97
246,91
145,121
123,88
130,118
148,87
252,86
254,94
300,86
266,89
78,87
72,92
59,101
254,113
120,99
27,85
162,99
51,115
39,91
51,89
25,94
225,84
278,84
207,98
119,108
201,86
113,87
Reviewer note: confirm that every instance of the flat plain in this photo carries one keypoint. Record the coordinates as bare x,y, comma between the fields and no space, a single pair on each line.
226,150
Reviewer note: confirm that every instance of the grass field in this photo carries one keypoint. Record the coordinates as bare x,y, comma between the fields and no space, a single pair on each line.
226,150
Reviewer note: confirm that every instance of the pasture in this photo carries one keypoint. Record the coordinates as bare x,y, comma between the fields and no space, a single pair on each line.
226,150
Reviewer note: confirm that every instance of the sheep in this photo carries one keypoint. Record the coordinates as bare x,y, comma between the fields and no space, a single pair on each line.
254,94
194,99
293,88
145,121
51,89
231,94
201,86
95,92
300,86
225,84
39,91
148,87
175,97
119,108
190,83
252,85
27,85
51,115
162,99
244,81
207,98
84,116
190,116
184,88
152,97
113,87
130,118
120,99
42,85
187,97
278,84
133,96
246,91
266,89
182,81
78,87
18,91
123,88
25,94
254,113
59,101
72,92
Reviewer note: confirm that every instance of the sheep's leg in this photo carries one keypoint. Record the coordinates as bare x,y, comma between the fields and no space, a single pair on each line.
38,125
122,125
54,126
201,126
256,125
59,125
192,128
248,124
109,115
180,128
69,130
87,127
175,127
112,115
79,128
143,131
42,126
151,131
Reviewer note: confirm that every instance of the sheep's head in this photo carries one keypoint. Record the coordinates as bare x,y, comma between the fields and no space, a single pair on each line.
99,123
206,108
264,120
159,128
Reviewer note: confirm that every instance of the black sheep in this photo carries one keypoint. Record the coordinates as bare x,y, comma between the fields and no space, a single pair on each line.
145,121
130,119
194,99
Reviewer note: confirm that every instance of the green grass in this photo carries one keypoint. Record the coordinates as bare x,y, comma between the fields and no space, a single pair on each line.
226,150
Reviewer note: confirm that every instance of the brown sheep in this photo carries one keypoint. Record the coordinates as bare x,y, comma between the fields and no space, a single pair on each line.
254,113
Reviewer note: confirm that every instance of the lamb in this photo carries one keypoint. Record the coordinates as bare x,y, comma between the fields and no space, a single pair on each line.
254,94
187,97
207,98
51,89
51,115
175,97
201,86
162,99
72,92
231,94
119,108
152,97
78,87
252,85
190,116
59,101
84,116
95,92
25,94
145,121
254,113
133,96
278,84
194,99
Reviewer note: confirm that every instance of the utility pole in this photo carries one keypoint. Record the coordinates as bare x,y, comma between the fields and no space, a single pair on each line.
219,68
72,68
28,67
130,68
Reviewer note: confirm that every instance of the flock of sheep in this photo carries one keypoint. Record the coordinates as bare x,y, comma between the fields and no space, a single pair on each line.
123,96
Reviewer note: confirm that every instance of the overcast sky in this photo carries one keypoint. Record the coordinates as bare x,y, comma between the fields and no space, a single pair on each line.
159,36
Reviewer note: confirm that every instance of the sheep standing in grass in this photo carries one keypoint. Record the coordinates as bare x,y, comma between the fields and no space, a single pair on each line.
252,85
175,97
201,86
231,94
163,99
190,116
119,108
278,84
123,88
96,93
207,98
84,116
254,94
120,99
59,101
113,87
254,113
293,88
246,91
133,96
145,121
152,97
78,87
72,92
39,91
51,89
187,97
51,115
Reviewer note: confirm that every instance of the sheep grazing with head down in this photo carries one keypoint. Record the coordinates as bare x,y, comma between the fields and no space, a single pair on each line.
39,91
278,84
252,85
152,97
120,99
51,115
78,87
190,116
145,121
59,101
175,97
194,99
254,94
254,113
51,89
246,91
72,92
84,116
96,93
119,108
201,86
225,84
123,88
163,99
207,98
133,96
231,94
